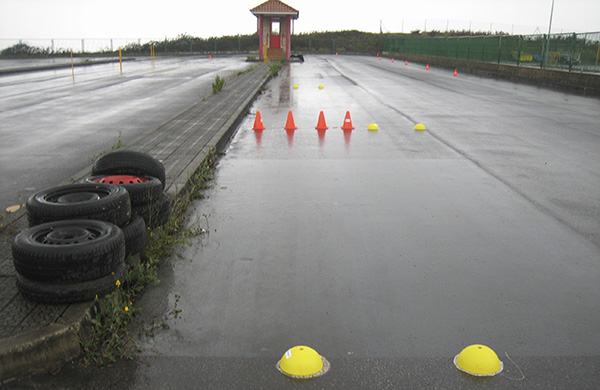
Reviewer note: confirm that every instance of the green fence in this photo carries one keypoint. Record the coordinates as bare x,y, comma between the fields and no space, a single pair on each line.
337,41
305,45
574,52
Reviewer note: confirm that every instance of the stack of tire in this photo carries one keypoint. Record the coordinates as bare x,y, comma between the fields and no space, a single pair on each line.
80,234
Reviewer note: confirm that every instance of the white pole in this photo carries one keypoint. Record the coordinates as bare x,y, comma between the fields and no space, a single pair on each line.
549,30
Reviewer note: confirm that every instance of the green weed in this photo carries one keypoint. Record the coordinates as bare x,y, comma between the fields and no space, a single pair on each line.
247,70
275,67
111,335
117,145
218,84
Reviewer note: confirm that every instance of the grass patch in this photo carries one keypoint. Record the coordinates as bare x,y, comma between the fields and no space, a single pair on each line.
218,84
275,67
117,145
247,70
111,335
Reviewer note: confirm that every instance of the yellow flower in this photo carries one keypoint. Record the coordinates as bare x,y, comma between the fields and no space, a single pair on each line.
126,309
118,283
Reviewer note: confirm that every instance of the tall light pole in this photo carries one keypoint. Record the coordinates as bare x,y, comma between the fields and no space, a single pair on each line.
549,30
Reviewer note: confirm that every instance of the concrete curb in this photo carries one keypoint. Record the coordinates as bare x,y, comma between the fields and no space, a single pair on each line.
48,347
37,351
221,138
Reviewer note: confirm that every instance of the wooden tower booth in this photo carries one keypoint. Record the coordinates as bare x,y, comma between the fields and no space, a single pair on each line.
275,20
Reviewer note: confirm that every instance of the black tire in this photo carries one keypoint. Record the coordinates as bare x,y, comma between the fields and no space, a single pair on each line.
68,251
141,189
135,235
155,214
103,202
61,293
129,162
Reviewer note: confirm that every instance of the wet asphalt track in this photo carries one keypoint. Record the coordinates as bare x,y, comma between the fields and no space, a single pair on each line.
390,251
52,126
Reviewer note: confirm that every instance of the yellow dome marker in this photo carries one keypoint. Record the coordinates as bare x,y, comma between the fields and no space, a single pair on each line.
373,127
478,360
321,87
420,127
302,362
295,86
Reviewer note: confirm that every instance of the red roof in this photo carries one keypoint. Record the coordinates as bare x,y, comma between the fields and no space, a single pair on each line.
275,7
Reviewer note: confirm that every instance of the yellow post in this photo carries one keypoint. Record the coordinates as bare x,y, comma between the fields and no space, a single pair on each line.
266,57
152,56
72,66
120,61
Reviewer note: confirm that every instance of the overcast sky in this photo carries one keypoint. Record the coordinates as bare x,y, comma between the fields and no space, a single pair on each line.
156,19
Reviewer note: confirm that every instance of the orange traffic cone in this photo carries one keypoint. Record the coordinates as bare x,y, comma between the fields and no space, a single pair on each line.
406,62
347,122
392,60
321,123
210,56
290,125
455,72
427,67
258,123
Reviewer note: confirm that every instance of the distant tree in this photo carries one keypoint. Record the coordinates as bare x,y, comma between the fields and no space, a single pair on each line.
23,49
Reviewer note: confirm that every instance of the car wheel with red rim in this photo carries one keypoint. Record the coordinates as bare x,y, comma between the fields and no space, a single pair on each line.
129,162
141,189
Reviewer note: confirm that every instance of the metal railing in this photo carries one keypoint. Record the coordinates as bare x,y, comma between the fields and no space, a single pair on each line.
87,45
180,44
572,52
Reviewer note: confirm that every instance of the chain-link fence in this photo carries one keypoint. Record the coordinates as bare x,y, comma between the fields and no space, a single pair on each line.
181,44
59,46
347,42
573,52
338,41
